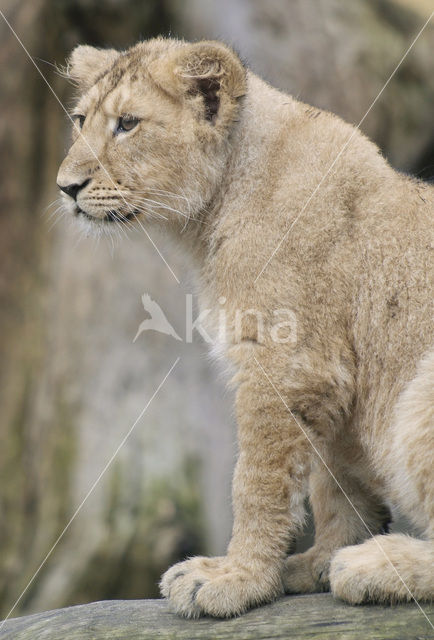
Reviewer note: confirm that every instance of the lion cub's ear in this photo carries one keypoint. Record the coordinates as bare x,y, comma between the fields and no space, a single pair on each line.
86,64
206,69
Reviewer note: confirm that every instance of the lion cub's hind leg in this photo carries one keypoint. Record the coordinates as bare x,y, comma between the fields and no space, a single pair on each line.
336,525
398,567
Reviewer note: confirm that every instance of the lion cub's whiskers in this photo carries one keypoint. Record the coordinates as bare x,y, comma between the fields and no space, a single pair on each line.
57,218
163,205
56,201
139,205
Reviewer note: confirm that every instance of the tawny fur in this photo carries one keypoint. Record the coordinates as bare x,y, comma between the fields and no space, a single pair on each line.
232,164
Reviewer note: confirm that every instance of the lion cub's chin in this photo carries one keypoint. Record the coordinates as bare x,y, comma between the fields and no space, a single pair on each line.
90,226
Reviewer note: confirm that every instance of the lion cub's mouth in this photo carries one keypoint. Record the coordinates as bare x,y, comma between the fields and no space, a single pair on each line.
110,216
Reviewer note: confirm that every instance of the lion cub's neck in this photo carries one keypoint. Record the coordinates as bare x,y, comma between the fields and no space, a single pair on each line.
263,112
278,191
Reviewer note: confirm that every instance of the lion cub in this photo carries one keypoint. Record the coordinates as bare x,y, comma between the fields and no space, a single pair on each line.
282,206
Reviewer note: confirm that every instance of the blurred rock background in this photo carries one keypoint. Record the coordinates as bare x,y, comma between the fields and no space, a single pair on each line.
72,382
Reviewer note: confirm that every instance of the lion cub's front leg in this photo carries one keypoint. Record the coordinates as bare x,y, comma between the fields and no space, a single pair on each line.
268,489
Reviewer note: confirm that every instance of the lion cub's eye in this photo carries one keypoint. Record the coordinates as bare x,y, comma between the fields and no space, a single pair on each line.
126,123
79,120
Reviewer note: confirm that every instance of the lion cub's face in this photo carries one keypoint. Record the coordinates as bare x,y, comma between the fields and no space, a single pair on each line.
150,134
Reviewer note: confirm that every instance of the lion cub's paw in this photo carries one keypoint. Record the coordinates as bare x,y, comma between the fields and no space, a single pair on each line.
361,574
384,569
216,587
306,572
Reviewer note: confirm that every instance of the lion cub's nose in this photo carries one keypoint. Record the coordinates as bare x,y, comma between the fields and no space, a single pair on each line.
73,189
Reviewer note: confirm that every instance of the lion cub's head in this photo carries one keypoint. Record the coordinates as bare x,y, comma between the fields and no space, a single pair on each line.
151,129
